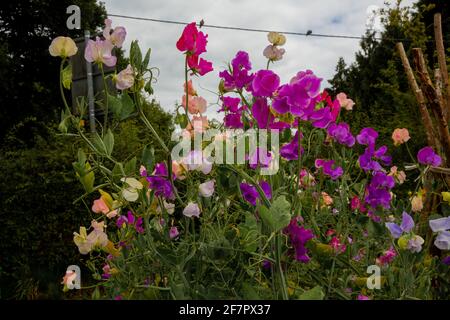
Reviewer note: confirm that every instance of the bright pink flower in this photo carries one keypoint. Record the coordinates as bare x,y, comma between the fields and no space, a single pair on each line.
387,257
199,65
337,245
99,51
192,41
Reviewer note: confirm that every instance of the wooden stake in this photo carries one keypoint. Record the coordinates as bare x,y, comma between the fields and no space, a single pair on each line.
428,124
441,59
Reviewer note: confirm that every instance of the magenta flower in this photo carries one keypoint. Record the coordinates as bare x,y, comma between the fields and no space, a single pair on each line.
250,193
378,190
298,97
367,136
368,160
341,133
362,297
290,150
298,237
426,156
386,257
130,219
199,65
238,77
260,158
265,83
230,104
233,121
192,41
327,167
160,183
173,233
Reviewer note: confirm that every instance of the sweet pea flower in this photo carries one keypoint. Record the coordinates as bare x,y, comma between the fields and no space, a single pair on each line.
196,104
409,241
276,38
199,65
327,200
260,158
117,36
427,156
442,227
417,203
298,237
345,102
125,78
104,205
289,151
173,233
386,257
192,210
239,76
400,136
337,245
362,297
96,238
326,166
341,133
367,136
190,88
206,189
265,83
69,278
195,160
251,194
169,207
63,47
198,124
192,42
400,176
273,53
131,193
99,51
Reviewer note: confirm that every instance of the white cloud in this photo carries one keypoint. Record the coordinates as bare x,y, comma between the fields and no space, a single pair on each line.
347,17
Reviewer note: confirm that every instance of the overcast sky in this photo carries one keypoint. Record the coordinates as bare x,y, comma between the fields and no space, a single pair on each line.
346,17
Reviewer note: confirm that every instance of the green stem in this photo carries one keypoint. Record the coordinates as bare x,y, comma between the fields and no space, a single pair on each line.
61,89
105,87
284,290
186,70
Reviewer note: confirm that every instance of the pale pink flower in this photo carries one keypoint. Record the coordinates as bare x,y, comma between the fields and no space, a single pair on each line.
100,206
206,189
198,124
195,104
99,51
400,136
273,53
125,78
192,210
117,37
191,90
178,169
400,176
345,102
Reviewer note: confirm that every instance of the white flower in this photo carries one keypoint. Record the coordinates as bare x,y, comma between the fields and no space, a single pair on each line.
131,193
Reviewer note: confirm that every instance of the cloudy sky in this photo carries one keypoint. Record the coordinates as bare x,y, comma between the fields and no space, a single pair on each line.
341,17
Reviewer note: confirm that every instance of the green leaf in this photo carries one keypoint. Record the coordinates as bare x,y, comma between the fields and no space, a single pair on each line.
81,156
315,293
279,214
135,55
148,157
115,105
249,233
66,76
130,166
108,141
127,106
146,59
181,120
88,179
